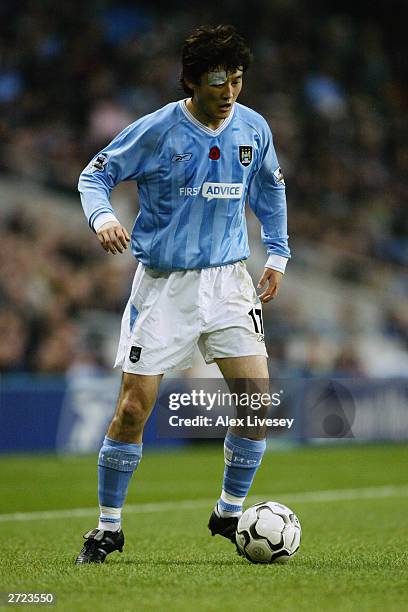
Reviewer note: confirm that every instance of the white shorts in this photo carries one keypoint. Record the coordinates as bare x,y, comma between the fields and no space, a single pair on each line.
169,313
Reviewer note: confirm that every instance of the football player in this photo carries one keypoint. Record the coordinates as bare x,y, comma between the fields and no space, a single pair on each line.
196,163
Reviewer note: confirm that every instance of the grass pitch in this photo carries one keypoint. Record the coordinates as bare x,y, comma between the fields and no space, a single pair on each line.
353,555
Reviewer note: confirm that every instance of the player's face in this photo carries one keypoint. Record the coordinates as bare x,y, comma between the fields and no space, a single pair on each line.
215,95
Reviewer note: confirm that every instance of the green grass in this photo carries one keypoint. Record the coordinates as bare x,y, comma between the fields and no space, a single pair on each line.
353,553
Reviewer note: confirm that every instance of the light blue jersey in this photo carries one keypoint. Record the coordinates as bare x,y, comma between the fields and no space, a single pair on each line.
193,183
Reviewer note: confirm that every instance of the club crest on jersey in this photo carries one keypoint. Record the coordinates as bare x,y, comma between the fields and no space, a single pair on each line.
134,355
245,154
99,162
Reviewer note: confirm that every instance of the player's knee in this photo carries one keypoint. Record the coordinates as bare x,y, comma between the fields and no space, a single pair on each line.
132,411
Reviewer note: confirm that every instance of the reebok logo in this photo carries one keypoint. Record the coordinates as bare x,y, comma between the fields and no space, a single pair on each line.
225,191
181,157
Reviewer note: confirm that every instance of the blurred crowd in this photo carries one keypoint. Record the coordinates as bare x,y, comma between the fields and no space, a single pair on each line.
51,275
72,75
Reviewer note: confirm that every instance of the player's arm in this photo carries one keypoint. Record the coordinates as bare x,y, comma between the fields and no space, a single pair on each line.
121,160
267,198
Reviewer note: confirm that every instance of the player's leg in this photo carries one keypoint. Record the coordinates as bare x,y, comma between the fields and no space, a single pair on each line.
137,397
121,450
160,327
247,374
119,456
243,447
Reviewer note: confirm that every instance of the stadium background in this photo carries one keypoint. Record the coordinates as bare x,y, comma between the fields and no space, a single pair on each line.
330,79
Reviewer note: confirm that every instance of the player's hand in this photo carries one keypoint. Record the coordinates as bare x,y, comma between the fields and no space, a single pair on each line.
113,237
273,278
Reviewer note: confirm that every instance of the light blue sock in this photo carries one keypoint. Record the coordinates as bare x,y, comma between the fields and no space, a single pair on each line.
242,459
116,464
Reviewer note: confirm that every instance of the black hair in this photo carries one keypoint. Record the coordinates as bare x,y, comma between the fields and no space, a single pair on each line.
209,47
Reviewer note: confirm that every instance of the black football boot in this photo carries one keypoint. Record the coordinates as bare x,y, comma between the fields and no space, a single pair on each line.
98,544
225,527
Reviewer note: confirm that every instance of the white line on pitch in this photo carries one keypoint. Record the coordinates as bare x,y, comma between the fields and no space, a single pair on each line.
192,504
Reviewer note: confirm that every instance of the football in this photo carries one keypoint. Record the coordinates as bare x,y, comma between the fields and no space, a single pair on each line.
268,532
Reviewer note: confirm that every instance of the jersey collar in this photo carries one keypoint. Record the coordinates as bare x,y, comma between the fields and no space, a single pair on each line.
203,127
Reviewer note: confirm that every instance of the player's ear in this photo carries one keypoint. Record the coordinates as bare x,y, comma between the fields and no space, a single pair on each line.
190,85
